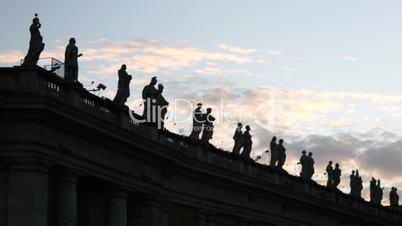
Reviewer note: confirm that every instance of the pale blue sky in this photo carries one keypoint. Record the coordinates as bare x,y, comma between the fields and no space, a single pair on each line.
313,35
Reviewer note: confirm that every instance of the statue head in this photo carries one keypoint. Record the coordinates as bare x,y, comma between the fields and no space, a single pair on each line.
209,110
280,141
35,20
153,81
239,125
274,138
199,105
72,40
337,165
248,128
330,163
123,67
310,154
353,172
304,152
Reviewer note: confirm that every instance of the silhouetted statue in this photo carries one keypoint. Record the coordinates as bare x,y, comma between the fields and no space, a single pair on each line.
378,193
330,174
359,185
310,166
208,130
123,86
274,152
198,120
303,163
356,184
337,176
149,96
394,199
281,154
36,46
71,61
352,183
238,139
373,184
162,104
247,145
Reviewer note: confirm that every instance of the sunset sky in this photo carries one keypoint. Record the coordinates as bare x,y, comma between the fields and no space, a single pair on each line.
324,75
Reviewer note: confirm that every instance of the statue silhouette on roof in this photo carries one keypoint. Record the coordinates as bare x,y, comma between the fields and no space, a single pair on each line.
208,129
238,140
303,163
330,174
377,193
356,184
149,96
394,198
36,46
161,104
281,154
310,166
123,86
352,183
198,120
247,144
373,184
71,61
274,152
337,176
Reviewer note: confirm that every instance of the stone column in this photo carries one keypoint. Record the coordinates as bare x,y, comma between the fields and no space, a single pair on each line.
28,193
148,210
67,198
206,218
118,206
3,192
211,219
202,218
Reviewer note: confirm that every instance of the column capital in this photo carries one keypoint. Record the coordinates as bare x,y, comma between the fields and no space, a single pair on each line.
118,191
29,163
67,174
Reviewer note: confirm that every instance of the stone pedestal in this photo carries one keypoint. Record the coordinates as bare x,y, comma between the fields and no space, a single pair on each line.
28,193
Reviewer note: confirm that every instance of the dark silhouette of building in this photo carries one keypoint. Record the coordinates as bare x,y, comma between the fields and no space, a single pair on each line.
68,157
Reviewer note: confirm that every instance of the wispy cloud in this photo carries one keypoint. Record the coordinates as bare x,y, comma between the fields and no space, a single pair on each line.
350,58
11,56
274,52
151,57
235,49
261,61
208,71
